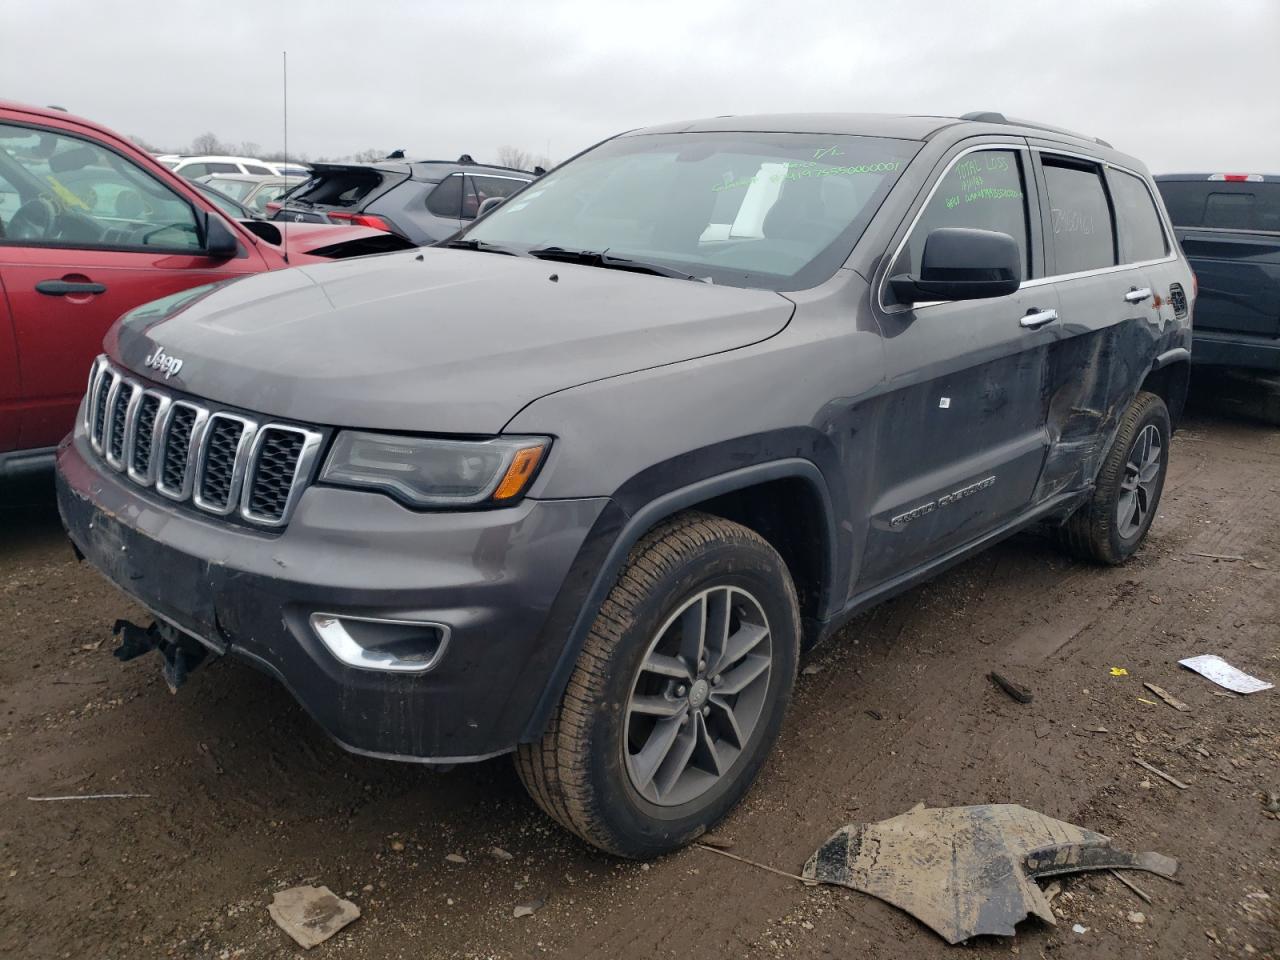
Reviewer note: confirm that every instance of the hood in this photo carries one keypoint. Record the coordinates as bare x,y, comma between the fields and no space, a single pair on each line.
437,341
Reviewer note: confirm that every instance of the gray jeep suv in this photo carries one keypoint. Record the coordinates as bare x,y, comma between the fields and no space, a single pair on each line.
583,484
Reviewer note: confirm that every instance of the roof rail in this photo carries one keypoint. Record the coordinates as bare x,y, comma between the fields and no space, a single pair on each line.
991,116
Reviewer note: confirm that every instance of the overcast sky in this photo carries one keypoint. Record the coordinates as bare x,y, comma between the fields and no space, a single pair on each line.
1183,84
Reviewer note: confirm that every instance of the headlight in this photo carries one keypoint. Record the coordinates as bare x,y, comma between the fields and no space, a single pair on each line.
425,472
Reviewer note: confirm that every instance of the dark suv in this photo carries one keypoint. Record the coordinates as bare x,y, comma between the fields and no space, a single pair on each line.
422,200
583,486
1229,226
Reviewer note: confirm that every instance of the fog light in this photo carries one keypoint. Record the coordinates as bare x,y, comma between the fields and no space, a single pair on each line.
374,643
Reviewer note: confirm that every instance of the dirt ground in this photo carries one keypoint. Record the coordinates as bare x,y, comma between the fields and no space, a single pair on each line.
247,796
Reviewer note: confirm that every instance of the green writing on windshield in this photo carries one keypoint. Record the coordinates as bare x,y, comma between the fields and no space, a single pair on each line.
804,169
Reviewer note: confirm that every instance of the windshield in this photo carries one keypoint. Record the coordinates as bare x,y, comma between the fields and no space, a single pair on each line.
235,189
774,210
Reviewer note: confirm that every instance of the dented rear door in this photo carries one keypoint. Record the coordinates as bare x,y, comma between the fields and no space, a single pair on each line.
1110,321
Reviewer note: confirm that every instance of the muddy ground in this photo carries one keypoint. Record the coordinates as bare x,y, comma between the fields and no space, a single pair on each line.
247,796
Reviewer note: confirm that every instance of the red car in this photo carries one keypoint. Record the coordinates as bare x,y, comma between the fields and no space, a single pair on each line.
90,227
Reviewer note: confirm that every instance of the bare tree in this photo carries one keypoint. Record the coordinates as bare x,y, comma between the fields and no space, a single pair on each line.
509,156
369,156
207,144
145,144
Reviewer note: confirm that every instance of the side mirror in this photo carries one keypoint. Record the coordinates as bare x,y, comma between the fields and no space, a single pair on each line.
962,264
489,204
219,242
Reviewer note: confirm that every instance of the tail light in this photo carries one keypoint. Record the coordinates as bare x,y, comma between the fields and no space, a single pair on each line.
360,220
1237,177
273,206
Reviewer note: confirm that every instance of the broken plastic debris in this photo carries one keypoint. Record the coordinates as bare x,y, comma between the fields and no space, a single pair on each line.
964,871
1224,674
1119,672
311,915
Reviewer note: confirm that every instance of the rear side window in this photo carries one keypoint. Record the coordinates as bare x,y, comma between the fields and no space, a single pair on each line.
257,170
339,188
982,191
1082,231
446,199
1141,232
1225,205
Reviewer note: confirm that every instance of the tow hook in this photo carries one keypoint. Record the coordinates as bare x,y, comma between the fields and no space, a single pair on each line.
181,653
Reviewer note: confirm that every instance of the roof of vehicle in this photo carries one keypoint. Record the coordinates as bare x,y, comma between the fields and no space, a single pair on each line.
1228,177
215,158
214,178
891,125
422,169
57,113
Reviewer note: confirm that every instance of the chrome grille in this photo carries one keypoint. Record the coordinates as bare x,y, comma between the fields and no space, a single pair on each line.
221,462
274,469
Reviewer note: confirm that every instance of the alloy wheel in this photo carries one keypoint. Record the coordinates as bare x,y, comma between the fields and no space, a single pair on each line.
698,695
1141,481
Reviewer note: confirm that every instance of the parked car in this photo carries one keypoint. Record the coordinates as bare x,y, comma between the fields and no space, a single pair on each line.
423,200
581,484
227,204
1229,227
281,169
91,226
252,191
195,167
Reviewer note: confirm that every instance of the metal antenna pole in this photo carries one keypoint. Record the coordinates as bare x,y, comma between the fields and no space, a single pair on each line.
284,61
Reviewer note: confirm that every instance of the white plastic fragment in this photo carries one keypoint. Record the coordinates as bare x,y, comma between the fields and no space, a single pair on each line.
1214,668
311,915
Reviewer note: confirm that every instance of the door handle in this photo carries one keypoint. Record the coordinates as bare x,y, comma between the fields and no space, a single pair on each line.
60,288
1137,296
1038,318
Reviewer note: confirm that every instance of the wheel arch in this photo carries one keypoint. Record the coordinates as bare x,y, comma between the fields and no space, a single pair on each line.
1169,379
763,497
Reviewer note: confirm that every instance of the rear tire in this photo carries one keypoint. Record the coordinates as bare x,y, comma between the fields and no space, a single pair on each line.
1110,527
653,742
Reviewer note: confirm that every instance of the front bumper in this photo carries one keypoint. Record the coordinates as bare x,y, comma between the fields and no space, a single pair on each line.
492,576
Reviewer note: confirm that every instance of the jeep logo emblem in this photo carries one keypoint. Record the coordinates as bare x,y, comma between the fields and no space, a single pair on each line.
163,362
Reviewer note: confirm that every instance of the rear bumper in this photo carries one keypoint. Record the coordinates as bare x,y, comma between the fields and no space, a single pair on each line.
492,577
1235,350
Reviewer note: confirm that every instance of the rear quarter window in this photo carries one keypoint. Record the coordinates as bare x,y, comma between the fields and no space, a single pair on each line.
1222,205
1141,232
446,199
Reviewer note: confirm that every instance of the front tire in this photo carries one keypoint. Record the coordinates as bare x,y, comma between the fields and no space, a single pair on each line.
1111,526
679,692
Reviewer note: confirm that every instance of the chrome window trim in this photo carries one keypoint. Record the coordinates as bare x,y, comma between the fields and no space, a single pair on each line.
498,176
311,441
197,435
238,466
1170,257
131,442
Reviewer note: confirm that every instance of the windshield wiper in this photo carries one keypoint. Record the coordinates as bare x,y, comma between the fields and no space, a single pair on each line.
605,259
484,246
